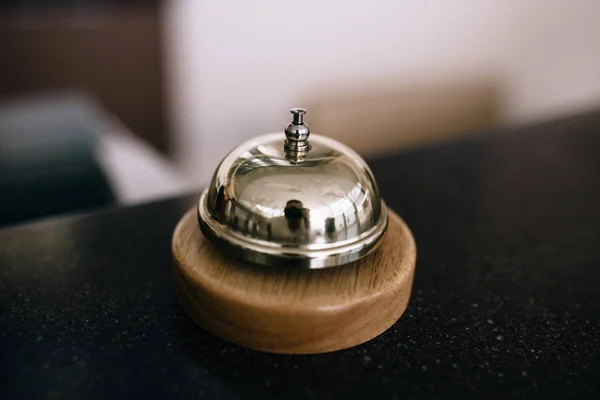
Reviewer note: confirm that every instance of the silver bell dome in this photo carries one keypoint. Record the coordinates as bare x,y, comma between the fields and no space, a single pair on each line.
293,201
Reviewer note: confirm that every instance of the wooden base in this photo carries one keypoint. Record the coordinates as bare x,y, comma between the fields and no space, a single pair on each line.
293,311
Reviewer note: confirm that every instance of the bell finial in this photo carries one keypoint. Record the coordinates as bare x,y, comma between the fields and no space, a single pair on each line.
297,132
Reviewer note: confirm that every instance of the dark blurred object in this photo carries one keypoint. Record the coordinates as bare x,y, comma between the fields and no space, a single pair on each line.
108,48
28,4
47,161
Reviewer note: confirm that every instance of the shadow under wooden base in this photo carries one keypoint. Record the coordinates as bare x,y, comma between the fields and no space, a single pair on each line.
293,311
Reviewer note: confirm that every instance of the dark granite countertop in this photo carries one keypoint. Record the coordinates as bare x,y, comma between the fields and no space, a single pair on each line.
506,299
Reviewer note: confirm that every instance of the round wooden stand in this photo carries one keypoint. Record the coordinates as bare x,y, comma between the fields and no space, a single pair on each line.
293,311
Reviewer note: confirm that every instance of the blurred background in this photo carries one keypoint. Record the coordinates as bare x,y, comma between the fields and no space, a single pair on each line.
106,102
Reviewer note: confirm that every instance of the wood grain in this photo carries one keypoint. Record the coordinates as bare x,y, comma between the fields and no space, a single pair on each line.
293,311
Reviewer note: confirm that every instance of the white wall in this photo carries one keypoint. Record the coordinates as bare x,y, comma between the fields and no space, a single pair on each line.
235,67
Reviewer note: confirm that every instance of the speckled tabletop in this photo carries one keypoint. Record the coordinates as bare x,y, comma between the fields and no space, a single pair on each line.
506,299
